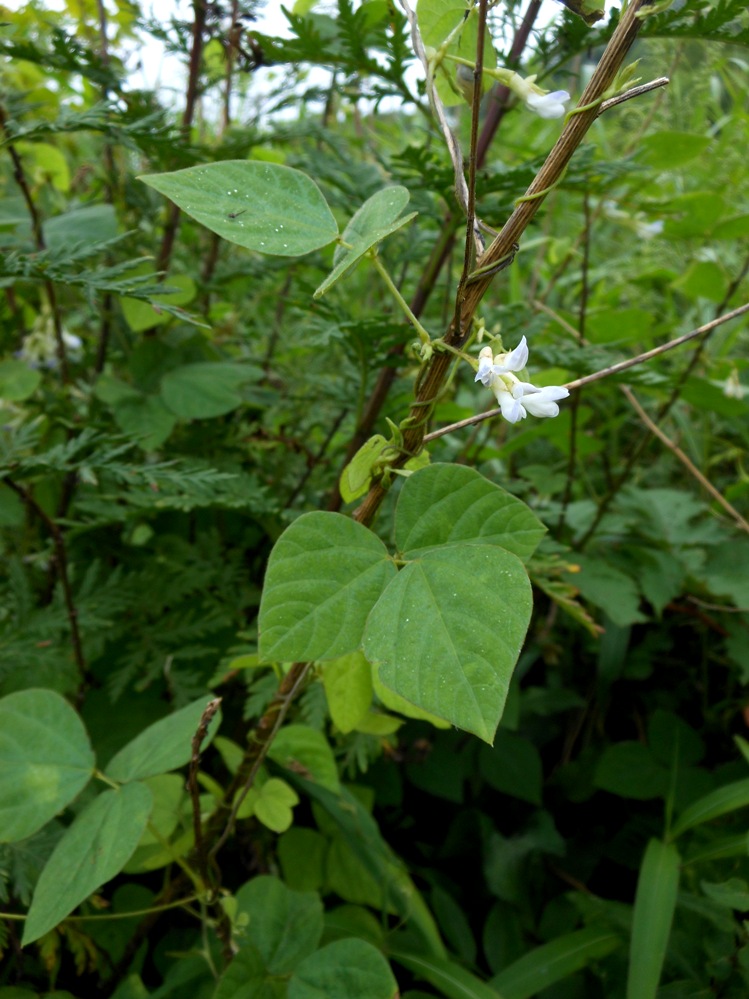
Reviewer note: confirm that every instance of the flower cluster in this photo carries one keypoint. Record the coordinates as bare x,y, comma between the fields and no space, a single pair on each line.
516,399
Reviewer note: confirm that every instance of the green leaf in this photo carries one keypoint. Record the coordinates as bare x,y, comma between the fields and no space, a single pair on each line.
301,853
261,206
667,150
630,770
285,926
247,978
274,804
437,19
141,315
17,381
608,588
146,418
45,760
712,806
374,221
163,746
447,976
513,766
447,632
655,901
450,504
306,750
206,389
554,961
357,475
324,575
154,849
93,850
348,688
343,970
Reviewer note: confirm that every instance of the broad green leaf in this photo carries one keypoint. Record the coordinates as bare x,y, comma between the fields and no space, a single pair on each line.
17,381
513,766
93,850
449,977
357,475
550,963
247,978
169,797
274,804
608,588
712,806
206,389
447,632
285,926
146,418
374,221
655,901
141,315
348,688
343,970
394,702
89,224
325,574
450,504
307,751
630,770
261,206
45,760
163,746
301,853
666,150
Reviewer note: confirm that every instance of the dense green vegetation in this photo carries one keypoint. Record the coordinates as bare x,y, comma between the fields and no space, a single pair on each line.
299,697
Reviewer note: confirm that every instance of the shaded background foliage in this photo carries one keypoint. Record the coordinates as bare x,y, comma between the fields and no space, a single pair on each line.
201,400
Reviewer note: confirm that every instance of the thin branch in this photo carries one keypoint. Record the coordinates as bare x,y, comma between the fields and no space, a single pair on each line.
604,373
61,558
692,468
644,88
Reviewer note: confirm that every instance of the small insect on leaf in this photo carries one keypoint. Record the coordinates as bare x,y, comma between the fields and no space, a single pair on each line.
233,215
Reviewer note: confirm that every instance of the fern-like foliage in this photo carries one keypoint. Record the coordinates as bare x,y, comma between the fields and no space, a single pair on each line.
709,20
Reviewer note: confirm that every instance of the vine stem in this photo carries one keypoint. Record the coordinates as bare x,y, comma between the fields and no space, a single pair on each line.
577,124
613,369
498,105
393,288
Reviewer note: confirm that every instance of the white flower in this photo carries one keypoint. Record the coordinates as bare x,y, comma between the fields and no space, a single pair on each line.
516,399
548,105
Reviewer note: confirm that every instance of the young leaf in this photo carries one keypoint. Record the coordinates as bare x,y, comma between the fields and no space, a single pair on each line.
324,575
262,206
449,504
93,850
447,632
161,747
342,970
374,221
45,760
655,902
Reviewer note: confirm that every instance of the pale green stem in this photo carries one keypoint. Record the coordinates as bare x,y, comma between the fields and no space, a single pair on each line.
423,335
